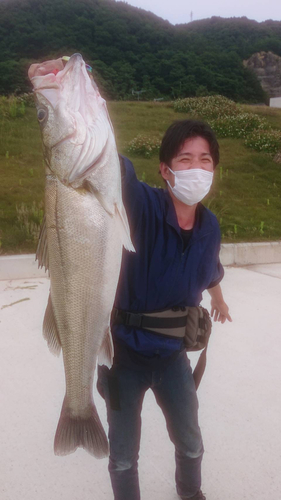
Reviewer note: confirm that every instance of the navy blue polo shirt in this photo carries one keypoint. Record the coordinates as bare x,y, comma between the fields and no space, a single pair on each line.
161,274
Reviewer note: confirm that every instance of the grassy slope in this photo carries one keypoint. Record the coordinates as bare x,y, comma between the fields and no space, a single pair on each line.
22,178
245,196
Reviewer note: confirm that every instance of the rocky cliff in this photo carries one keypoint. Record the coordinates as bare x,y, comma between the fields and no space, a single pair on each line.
267,67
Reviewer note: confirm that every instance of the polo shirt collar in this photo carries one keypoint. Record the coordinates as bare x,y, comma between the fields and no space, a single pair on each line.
203,224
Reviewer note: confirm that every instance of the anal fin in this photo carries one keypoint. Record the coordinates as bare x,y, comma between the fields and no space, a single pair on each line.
50,332
105,356
124,230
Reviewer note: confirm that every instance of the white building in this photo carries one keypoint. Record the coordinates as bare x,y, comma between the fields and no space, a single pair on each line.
275,102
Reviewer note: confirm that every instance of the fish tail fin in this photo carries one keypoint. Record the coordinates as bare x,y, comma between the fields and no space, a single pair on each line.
122,221
85,432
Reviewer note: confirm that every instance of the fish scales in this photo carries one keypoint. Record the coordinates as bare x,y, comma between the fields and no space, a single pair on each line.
81,241
80,245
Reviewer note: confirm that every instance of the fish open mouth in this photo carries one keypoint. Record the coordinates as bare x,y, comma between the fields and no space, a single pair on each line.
68,87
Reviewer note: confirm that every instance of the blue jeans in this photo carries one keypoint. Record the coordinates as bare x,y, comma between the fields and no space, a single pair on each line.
175,393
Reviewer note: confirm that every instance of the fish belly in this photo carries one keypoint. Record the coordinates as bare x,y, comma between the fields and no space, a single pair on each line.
84,261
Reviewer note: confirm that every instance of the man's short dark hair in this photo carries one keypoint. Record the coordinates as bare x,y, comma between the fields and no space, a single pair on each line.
179,132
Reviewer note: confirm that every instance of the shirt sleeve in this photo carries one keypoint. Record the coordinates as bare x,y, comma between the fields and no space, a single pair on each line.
218,275
133,192
218,270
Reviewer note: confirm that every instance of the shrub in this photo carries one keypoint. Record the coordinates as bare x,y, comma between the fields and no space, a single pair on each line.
11,107
227,120
266,141
144,146
239,125
207,107
27,99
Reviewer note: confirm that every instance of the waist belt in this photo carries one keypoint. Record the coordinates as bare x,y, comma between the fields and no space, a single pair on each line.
171,322
192,324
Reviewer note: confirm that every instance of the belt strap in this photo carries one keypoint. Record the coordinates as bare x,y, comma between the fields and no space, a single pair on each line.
199,369
171,322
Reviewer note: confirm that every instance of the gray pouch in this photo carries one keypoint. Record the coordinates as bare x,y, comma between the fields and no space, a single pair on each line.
198,328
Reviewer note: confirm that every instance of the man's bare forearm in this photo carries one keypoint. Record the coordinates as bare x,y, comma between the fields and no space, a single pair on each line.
219,308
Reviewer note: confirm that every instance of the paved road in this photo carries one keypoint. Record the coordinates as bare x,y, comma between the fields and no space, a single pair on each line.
240,403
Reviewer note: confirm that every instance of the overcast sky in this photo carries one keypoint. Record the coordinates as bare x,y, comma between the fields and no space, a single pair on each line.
179,11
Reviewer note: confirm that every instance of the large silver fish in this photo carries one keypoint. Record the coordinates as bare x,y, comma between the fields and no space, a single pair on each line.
81,243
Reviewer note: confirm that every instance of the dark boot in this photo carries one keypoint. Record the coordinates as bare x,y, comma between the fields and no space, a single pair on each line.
199,496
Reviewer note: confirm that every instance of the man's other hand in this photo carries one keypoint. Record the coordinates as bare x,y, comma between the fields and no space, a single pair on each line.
219,311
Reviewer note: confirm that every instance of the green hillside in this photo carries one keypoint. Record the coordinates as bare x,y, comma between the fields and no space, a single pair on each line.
245,195
133,50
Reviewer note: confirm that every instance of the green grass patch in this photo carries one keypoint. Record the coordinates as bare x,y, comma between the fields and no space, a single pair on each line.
245,195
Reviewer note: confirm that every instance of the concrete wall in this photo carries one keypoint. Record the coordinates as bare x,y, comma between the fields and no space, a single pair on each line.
20,267
239,254
245,254
275,102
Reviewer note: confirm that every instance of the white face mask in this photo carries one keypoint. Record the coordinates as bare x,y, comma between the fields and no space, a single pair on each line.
192,185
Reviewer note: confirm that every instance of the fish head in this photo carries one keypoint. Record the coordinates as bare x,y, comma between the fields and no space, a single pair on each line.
73,118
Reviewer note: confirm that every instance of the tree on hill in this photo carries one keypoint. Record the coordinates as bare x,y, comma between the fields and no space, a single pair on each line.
130,48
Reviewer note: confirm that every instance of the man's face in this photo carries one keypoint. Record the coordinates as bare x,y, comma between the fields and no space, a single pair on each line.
195,153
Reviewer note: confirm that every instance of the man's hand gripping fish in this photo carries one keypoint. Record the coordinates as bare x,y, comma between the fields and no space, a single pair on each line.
81,242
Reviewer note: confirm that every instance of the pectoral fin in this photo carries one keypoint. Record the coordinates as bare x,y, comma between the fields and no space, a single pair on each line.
89,186
119,213
50,331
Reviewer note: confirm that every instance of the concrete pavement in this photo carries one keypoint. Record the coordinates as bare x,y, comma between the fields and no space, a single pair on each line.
239,397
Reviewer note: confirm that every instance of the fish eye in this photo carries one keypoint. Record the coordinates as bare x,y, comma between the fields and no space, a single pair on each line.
41,114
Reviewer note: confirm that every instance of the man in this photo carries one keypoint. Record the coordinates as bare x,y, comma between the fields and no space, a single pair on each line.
177,242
